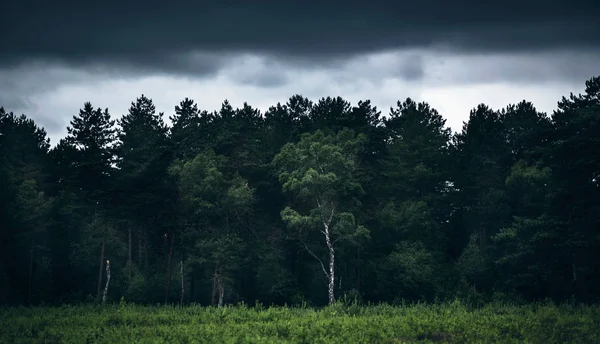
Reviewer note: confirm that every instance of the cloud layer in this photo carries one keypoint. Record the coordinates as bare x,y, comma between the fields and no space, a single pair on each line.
200,37
454,54
452,84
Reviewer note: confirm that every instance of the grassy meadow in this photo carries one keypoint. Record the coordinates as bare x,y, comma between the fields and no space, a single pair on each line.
342,323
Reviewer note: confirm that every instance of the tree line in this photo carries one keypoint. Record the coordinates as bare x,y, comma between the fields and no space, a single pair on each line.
308,202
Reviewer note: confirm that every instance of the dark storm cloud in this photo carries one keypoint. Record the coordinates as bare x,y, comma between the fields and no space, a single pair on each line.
159,35
405,65
20,86
257,71
15,102
412,68
538,68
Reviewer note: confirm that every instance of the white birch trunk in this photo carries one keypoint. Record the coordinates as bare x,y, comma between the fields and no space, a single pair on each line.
107,281
221,291
331,264
218,288
327,233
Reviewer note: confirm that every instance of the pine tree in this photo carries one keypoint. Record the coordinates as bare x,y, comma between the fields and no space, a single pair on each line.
92,136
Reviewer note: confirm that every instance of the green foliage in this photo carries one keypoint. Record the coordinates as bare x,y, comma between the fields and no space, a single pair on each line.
319,165
214,205
472,263
200,182
254,206
275,282
85,255
91,139
409,272
340,323
318,172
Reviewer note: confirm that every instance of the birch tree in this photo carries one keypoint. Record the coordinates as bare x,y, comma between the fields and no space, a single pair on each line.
318,173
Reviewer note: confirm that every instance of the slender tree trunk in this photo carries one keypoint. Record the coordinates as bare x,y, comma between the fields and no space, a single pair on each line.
483,239
221,291
331,265
358,269
182,285
99,287
31,271
146,269
215,285
327,233
140,245
129,261
107,282
331,273
192,288
169,269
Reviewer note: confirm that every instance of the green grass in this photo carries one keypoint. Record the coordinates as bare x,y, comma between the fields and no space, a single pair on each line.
451,322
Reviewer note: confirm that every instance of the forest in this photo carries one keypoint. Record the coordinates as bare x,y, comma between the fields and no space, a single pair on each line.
307,203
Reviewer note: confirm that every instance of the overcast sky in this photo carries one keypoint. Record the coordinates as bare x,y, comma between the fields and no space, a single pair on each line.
56,55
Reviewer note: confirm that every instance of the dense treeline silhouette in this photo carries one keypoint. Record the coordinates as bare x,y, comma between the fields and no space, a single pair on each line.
308,202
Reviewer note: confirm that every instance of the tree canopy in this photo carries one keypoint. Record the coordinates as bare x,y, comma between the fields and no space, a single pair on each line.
309,201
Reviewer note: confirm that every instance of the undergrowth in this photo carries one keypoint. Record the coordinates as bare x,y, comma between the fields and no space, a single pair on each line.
452,322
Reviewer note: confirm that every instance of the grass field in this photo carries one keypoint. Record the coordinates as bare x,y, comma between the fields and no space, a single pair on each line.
451,322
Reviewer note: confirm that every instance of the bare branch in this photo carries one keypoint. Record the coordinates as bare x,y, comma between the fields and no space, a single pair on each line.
317,258
260,163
